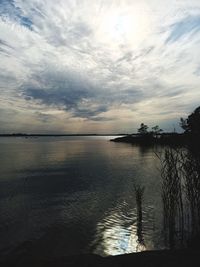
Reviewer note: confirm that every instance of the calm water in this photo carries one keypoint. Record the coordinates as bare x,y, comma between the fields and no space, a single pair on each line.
67,195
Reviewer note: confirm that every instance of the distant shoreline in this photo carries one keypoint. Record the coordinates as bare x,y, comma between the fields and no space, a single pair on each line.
56,135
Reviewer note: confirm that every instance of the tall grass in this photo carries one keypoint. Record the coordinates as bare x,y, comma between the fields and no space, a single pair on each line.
191,172
180,172
171,194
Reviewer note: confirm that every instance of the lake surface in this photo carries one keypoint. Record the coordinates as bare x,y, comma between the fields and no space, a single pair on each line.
69,195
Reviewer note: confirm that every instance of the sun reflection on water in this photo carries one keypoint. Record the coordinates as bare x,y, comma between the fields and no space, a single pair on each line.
118,234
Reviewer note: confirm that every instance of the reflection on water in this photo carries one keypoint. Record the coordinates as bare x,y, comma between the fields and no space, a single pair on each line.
118,233
65,196
139,195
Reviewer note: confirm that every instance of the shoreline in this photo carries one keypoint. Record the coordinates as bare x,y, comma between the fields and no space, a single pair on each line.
169,139
162,258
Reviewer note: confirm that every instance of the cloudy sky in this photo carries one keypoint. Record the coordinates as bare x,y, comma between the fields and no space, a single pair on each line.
104,66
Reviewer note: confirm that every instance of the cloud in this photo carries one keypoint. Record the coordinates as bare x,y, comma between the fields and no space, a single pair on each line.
78,96
9,9
187,26
97,64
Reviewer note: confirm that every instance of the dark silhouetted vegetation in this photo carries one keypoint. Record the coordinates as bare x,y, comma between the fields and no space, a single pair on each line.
154,138
156,130
190,137
192,123
180,172
143,130
171,194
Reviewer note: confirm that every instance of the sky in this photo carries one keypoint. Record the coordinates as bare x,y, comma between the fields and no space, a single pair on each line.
98,66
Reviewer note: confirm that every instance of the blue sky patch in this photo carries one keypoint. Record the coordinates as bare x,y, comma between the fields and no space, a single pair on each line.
8,9
186,26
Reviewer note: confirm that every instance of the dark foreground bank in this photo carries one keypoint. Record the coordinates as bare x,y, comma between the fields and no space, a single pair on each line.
183,258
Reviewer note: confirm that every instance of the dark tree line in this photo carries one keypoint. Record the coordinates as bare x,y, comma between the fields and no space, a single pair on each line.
192,123
143,130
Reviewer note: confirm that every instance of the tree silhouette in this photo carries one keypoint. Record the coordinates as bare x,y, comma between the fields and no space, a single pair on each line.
156,130
192,123
143,129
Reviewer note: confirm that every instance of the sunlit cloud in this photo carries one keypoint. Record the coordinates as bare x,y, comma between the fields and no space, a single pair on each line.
97,66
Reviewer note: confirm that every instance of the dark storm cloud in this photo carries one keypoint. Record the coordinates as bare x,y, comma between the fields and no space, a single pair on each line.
78,96
63,90
90,113
58,97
